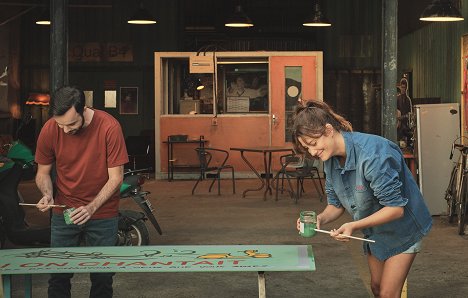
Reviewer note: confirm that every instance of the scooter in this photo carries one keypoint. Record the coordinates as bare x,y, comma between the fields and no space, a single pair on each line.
132,226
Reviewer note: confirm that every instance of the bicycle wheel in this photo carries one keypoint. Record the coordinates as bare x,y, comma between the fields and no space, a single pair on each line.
451,195
462,206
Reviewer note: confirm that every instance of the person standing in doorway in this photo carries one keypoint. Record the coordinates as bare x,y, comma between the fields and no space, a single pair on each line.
88,149
367,176
404,115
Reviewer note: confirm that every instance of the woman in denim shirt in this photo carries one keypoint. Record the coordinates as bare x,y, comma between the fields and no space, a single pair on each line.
367,176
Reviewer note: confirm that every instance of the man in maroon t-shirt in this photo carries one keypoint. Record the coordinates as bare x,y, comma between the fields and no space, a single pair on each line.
88,149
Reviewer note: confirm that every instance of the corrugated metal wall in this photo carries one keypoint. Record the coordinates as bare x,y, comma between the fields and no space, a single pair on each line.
433,55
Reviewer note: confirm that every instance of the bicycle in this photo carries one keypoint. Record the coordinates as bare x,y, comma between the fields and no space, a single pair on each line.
457,190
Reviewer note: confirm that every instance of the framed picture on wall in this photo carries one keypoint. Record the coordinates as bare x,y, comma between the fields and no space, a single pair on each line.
128,100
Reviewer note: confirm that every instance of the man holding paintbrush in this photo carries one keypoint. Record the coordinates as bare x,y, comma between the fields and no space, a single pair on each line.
88,149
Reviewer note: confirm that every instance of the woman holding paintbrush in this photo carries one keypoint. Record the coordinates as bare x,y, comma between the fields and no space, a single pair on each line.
367,176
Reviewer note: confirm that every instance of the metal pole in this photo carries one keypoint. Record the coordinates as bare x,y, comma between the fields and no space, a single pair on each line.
389,68
58,44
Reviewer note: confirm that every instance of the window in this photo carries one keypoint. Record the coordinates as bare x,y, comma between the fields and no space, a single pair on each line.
183,89
242,87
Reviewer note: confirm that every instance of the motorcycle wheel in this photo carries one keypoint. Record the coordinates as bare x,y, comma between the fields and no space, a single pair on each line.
132,229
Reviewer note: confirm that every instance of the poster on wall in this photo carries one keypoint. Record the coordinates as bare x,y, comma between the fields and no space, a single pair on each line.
238,104
129,100
88,98
110,99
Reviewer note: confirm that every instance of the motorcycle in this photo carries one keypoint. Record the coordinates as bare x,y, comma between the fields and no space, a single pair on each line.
132,228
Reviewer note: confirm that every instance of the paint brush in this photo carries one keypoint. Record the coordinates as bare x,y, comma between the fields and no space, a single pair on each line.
352,237
59,206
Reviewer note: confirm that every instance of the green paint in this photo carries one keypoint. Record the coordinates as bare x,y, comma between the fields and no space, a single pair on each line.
308,223
66,215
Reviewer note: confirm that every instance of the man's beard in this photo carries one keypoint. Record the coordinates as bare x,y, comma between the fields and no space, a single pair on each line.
75,131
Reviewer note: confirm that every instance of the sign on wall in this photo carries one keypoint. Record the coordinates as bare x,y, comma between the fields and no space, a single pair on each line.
100,52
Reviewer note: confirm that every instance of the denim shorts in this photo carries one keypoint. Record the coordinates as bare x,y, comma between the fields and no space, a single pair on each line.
415,248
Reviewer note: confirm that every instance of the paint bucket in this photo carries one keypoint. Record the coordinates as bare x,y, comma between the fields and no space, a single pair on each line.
308,223
66,215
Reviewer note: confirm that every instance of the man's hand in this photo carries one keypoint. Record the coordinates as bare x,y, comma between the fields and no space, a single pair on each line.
44,203
82,214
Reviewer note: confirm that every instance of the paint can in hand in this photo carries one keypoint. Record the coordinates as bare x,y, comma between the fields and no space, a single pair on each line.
308,223
66,215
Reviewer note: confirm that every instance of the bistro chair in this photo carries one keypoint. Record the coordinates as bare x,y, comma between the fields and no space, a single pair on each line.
298,168
138,148
211,167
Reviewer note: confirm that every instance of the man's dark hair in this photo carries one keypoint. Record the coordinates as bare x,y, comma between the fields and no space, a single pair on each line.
65,98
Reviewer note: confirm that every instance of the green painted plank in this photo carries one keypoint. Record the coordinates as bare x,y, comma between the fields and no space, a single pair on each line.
177,258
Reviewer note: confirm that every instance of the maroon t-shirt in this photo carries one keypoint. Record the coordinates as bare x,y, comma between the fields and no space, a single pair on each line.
82,161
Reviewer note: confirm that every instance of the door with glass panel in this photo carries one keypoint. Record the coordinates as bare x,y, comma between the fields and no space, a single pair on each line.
291,79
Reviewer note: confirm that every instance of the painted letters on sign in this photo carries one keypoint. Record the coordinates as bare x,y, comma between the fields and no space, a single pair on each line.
100,52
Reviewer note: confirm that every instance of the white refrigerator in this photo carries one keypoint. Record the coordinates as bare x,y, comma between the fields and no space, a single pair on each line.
438,125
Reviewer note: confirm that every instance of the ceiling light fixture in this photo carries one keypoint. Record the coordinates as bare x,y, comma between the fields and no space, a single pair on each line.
44,18
441,11
199,85
142,17
239,19
318,18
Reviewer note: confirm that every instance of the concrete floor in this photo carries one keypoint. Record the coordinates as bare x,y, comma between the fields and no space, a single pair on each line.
440,270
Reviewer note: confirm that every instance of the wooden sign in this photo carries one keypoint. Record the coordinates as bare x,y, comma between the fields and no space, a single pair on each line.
201,64
174,258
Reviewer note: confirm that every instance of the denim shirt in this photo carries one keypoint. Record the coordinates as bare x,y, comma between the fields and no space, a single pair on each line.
375,175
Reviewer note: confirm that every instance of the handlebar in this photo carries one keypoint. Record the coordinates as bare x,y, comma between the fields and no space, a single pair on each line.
461,147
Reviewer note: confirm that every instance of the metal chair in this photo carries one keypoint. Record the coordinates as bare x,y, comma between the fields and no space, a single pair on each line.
294,166
212,170
138,149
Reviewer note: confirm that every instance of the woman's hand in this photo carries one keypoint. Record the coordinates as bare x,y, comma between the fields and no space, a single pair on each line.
345,229
298,222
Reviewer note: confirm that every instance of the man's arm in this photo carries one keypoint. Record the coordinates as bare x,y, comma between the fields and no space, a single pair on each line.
84,213
44,183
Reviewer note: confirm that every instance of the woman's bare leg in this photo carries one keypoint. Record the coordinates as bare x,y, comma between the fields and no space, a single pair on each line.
388,277
376,270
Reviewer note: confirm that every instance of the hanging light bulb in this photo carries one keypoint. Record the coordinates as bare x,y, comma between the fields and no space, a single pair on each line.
441,11
239,19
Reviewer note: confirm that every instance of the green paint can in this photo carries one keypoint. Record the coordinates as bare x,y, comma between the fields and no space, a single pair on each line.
66,215
308,223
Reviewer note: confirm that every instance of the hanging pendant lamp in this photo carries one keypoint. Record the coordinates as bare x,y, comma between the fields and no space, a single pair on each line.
199,85
44,18
318,18
142,17
239,19
441,11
